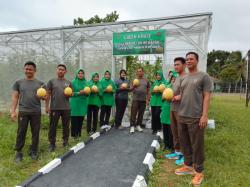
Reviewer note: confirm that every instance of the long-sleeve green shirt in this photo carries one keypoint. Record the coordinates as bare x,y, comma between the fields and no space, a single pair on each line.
78,103
108,98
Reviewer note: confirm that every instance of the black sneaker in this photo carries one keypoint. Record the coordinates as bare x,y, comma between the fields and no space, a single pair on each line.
154,132
33,155
65,144
19,157
52,148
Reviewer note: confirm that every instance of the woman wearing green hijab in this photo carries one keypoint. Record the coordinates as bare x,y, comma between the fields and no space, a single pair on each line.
78,103
94,103
107,99
156,101
165,116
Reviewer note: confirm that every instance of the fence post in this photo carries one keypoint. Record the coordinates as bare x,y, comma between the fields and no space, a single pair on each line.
248,78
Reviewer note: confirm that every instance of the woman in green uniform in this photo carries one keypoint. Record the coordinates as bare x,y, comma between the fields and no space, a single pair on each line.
107,99
94,103
165,118
156,101
78,103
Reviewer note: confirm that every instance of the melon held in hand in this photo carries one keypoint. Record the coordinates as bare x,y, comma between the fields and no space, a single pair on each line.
124,85
68,91
168,94
86,90
162,87
41,92
94,89
109,88
136,82
156,89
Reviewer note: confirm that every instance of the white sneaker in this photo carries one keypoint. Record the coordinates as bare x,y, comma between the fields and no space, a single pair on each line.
103,127
120,127
108,127
132,129
138,128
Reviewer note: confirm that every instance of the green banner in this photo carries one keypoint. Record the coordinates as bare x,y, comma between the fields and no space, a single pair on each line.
140,42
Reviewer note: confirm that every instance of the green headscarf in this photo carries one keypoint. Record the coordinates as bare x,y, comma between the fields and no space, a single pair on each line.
174,74
94,98
76,79
91,82
158,82
106,82
78,84
162,80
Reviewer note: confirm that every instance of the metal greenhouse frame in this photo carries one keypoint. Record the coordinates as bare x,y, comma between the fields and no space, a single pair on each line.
90,46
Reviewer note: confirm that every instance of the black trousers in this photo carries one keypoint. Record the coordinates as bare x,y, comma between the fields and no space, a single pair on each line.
24,118
76,125
92,114
55,115
156,120
137,112
168,137
121,105
105,115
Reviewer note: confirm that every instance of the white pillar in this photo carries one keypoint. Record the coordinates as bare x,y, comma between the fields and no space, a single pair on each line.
124,63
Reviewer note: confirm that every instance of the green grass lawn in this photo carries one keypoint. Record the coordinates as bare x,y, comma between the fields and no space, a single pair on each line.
11,173
227,149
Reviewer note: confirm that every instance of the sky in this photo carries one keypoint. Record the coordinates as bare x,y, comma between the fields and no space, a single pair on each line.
230,21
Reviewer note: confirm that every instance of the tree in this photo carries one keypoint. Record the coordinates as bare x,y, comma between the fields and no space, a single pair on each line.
150,69
112,17
229,75
234,57
215,62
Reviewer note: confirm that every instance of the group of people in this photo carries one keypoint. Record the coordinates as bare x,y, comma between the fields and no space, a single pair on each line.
182,119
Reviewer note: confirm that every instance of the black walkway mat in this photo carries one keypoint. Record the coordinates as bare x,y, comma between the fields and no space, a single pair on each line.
112,160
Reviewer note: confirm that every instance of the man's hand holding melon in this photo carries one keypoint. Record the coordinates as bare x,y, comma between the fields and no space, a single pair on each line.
68,92
41,93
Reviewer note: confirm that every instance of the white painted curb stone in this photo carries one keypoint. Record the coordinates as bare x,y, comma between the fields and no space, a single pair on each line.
149,160
155,144
51,165
160,134
78,147
95,135
140,181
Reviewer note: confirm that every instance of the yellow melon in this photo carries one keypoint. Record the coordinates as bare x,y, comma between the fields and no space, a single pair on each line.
156,89
86,90
68,91
109,88
136,82
162,87
124,85
41,92
94,89
168,94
